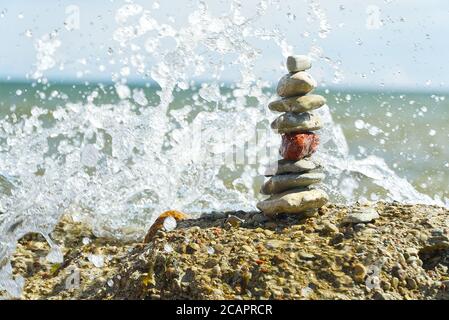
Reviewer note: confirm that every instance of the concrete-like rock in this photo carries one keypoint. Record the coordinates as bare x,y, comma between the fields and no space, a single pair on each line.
281,183
296,84
288,166
290,122
298,63
298,104
296,146
287,246
293,202
361,215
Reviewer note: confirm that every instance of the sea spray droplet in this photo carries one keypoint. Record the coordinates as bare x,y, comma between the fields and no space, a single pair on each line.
168,248
139,97
359,124
306,292
55,255
169,224
210,92
96,260
89,155
123,91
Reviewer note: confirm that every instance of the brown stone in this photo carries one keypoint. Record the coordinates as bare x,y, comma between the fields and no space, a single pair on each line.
296,146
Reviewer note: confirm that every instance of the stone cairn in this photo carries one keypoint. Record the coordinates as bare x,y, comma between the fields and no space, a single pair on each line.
290,179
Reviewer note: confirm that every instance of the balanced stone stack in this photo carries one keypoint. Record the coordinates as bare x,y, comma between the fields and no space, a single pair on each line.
290,179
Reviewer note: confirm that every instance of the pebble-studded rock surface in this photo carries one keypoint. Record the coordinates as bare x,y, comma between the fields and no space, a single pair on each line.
393,252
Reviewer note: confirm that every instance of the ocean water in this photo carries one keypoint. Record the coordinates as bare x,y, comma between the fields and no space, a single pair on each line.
408,130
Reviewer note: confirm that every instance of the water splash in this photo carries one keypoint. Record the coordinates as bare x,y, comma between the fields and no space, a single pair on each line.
346,173
116,166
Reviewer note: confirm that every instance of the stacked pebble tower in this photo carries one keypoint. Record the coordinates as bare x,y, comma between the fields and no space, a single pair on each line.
290,179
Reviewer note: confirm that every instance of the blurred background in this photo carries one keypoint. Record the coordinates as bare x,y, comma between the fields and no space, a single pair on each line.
398,44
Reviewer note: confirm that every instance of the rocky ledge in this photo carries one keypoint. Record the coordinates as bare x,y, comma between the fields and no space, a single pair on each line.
371,251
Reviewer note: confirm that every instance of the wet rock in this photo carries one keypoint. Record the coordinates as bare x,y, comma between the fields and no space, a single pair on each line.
398,272
395,282
282,259
234,221
412,252
411,283
288,166
260,218
378,295
297,146
290,122
216,271
330,227
337,239
296,84
298,63
298,104
437,240
359,227
361,215
192,247
306,256
211,263
293,202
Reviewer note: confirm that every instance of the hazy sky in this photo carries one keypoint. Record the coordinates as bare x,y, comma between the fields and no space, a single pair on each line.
396,43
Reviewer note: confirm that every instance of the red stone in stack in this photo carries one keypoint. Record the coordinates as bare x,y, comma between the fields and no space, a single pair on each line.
296,146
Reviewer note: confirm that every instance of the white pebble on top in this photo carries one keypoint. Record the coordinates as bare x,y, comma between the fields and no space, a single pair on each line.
298,63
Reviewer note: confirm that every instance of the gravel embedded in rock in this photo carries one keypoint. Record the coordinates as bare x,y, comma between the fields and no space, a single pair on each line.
362,215
289,255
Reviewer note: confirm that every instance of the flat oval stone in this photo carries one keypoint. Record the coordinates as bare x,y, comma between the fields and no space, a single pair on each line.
288,166
361,215
296,146
298,63
290,122
295,201
298,104
284,182
296,84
